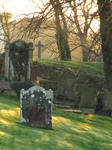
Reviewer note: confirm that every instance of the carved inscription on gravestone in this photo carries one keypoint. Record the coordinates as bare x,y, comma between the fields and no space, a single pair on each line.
36,107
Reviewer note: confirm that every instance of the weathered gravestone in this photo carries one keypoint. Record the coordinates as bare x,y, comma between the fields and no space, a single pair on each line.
18,59
36,107
107,101
66,85
87,96
68,89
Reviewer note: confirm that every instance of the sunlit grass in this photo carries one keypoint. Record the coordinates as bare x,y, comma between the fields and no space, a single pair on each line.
11,114
70,131
2,133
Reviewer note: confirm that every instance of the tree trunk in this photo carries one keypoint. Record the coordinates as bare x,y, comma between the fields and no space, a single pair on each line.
61,33
60,41
85,54
85,50
105,13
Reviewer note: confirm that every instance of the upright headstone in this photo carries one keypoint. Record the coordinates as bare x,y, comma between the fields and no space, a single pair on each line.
66,85
9,68
87,96
36,107
107,101
39,45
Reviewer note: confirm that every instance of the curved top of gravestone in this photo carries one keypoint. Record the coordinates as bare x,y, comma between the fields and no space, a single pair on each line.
71,71
35,88
67,84
20,43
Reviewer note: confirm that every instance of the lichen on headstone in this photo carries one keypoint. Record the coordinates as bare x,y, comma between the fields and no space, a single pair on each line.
36,107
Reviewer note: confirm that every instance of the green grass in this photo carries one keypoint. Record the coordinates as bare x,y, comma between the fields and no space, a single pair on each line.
95,68
70,131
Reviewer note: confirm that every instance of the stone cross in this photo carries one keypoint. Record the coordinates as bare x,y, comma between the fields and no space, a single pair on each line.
39,45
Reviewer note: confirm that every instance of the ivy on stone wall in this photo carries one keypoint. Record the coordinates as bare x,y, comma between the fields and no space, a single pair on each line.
19,55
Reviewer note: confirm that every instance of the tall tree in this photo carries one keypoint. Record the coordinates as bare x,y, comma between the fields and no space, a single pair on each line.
105,12
81,18
61,31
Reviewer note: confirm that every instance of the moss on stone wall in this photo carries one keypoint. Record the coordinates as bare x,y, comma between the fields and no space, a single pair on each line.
51,74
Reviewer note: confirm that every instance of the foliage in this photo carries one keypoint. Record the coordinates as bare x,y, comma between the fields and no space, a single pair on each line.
70,131
18,85
19,55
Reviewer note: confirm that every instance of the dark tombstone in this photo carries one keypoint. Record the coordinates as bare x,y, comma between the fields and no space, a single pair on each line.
107,101
18,58
36,106
66,85
87,96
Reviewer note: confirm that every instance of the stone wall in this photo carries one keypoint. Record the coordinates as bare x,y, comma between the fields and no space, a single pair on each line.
49,77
